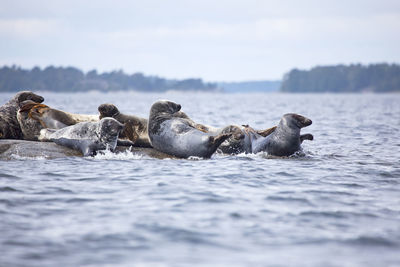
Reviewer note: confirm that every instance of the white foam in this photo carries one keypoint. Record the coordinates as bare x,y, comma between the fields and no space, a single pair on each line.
126,155
18,157
263,155
195,158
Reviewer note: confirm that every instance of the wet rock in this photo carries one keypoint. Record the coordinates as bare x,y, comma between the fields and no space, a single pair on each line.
16,149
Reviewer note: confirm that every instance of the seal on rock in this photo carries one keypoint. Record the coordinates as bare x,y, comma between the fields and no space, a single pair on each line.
30,128
135,127
87,137
57,119
9,126
176,136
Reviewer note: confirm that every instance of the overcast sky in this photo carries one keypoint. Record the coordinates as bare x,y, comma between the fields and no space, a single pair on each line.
217,40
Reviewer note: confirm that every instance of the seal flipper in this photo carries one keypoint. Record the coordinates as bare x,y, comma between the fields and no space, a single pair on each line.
306,137
81,145
45,134
266,132
216,141
27,105
121,142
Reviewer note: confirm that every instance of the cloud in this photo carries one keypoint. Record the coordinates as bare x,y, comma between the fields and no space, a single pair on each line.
28,28
230,40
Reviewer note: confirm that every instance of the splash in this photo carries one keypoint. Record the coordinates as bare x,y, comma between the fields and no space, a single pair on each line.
262,155
125,155
18,157
194,158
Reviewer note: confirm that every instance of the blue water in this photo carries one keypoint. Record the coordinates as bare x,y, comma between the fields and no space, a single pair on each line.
336,205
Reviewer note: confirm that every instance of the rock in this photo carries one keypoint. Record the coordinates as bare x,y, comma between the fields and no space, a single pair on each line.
16,149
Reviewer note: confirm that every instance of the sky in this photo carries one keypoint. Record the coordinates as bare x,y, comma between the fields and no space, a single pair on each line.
216,40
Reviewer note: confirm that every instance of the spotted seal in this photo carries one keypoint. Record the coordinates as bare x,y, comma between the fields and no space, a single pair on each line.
9,126
176,136
30,128
87,137
135,127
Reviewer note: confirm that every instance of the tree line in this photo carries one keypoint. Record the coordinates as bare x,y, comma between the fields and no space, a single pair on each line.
69,79
341,78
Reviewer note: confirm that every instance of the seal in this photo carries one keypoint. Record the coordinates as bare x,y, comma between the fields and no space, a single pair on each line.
135,127
87,137
285,140
171,134
30,128
57,119
9,126
281,140
237,143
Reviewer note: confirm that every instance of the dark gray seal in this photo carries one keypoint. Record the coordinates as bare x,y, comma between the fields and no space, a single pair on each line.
174,135
87,137
9,126
30,128
135,129
285,140
281,140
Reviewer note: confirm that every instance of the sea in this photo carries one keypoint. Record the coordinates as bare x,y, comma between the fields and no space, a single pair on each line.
335,203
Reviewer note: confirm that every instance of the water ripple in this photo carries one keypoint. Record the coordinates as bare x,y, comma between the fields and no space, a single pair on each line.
334,204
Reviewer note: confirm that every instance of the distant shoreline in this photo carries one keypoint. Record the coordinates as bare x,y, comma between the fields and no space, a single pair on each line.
356,78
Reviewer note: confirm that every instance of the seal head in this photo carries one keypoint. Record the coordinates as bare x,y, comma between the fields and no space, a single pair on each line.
107,110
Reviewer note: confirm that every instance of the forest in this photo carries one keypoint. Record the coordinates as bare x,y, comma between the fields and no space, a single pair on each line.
379,78
69,79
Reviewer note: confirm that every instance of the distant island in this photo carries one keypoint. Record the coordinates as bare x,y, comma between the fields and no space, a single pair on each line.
354,78
380,78
69,79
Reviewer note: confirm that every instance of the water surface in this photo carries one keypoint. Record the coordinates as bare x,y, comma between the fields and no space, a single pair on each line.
336,205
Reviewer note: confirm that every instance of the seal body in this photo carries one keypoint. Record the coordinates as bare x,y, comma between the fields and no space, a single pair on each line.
87,137
30,128
135,127
57,119
9,126
177,136
286,138
282,140
239,142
